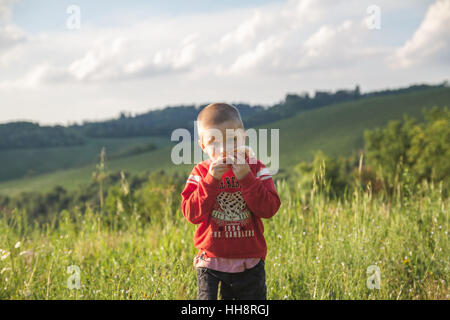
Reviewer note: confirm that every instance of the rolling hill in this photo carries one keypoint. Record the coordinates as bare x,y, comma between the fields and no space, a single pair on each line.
29,162
336,129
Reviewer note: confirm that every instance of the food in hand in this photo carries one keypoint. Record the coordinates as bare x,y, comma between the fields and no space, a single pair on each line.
247,152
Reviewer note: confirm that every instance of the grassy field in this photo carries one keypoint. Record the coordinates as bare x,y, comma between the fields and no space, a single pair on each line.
318,248
336,130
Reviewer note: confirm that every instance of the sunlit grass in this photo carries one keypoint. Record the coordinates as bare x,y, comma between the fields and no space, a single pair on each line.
318,248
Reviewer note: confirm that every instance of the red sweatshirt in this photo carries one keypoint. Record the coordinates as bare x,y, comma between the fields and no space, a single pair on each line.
229,211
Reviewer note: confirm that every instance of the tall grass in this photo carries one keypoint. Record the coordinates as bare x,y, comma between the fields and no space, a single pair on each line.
318,248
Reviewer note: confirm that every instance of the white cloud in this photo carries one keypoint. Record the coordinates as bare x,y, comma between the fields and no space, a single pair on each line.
288,49
253,55
5,9
277,38
113,60
430,44
98,63
10,34
336,47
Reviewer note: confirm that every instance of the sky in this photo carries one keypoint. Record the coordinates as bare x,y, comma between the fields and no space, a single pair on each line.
64,62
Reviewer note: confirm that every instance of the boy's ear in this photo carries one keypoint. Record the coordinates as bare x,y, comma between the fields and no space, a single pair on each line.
201,144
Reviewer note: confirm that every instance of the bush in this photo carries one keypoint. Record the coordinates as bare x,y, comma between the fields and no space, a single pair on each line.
422,149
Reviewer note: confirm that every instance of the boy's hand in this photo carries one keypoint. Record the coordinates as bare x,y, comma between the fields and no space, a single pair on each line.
240,170
240,167
218,167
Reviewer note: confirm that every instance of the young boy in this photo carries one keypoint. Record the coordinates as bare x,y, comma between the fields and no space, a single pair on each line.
227,199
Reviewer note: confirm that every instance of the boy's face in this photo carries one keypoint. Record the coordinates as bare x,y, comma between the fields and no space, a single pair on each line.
217,141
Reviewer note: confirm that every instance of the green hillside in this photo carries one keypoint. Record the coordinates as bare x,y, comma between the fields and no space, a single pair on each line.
28,162
72,178
336,130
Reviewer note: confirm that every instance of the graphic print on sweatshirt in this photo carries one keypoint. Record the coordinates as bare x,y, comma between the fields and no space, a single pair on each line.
232,208
231,217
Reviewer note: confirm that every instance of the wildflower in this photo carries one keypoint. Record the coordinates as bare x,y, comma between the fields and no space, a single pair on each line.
17,245
26,253
405,261
4,270
4,254
26,293
279,236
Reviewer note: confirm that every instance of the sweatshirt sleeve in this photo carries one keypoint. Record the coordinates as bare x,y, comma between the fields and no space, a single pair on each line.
199,196
259,192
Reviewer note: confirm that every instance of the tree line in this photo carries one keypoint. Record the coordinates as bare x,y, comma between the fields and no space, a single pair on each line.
163,122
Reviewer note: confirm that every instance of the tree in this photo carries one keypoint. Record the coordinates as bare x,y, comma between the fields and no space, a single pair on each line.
423,149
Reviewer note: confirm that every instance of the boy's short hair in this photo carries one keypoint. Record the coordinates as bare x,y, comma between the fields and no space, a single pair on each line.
217,113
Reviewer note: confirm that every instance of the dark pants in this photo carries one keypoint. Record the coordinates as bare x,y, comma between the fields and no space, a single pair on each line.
247,285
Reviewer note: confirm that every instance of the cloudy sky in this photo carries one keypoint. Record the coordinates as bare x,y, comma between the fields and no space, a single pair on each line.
140,55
